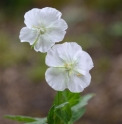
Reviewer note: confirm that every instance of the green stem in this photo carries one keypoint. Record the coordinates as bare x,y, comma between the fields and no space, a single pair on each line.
57,120
58,93
61,98
35,41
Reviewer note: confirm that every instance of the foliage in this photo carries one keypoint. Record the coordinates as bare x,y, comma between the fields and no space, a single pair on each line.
67,108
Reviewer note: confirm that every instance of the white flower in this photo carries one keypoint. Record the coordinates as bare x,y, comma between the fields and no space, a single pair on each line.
69,67
44,28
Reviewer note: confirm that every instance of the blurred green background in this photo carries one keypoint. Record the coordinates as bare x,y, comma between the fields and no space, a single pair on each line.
94,24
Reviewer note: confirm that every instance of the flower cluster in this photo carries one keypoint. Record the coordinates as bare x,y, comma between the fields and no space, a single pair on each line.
69,65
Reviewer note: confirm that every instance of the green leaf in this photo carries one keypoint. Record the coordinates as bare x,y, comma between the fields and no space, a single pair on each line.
57,120
27,119
50,117
61,105
20,118
72,98
77,114
39,121
84,100
78,110
63,111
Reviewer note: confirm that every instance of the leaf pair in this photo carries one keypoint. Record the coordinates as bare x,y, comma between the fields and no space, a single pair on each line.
68,107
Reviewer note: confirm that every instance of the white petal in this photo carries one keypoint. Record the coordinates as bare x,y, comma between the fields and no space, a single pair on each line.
56,78
56,35
69,51
59,54
59,24
43,44
56,30
63,25
79,70
52,58
49,15
84,63
28,35
88,60
32,18
78,83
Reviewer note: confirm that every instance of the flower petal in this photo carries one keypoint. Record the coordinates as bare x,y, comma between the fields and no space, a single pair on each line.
49,15
52,58
88,60
56,78
43,44
56,30
56,35
28,35
59,24
84,63
69,51
32,18
78,83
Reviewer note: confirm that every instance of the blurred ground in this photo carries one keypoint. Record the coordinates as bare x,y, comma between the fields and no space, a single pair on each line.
94,24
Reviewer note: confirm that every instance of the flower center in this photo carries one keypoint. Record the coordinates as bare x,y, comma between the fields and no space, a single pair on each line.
42,30
69,67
